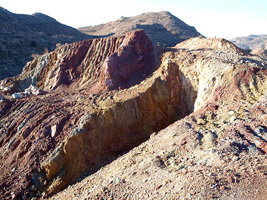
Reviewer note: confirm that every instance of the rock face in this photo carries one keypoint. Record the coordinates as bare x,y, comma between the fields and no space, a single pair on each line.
96,125
163,28
218,151
25,35
106,96
98,65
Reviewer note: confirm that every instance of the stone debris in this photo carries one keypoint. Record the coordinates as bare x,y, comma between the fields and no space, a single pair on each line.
17,95
53,130
232,119
34,90
6,89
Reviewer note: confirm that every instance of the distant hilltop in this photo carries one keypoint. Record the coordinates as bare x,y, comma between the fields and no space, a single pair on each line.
257,44
163,28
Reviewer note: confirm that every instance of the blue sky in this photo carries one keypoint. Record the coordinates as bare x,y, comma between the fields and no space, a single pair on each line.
221,18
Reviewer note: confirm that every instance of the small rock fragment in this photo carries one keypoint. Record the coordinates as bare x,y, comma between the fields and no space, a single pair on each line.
231,112
232,118
230,180
34,188
53,130
164,182
158,187
34,90
16,95
7,89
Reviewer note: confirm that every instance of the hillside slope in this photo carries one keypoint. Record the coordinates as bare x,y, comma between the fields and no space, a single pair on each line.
217,152
98,99
163,28
257,44
24,35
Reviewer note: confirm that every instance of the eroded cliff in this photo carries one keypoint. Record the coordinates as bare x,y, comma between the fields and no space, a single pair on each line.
218,151
106,96
99,64
74,128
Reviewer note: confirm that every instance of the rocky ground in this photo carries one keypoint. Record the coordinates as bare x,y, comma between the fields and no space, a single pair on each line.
217,152
196,117
186,161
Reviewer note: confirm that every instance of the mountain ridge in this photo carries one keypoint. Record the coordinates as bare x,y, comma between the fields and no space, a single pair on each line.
198,105
25,35
163,28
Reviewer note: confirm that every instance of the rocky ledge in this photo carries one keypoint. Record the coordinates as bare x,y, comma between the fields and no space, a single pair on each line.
107,96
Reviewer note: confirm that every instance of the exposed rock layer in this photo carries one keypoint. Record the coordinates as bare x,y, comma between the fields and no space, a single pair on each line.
48,141
96,125
99,64
219,151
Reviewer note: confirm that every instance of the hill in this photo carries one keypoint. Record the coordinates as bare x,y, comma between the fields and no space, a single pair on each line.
22,36
163,28
135,123
257,44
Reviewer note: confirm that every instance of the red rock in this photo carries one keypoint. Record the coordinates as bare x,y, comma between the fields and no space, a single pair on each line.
97,65
94,122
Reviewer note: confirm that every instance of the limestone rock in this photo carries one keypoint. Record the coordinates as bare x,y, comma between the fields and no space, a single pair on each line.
53,130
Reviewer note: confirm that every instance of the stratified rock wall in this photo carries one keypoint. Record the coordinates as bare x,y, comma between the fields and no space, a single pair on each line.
80,130
118,125
219,151
99,64
106,96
